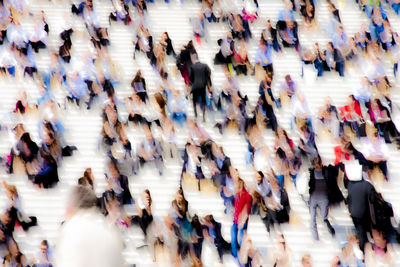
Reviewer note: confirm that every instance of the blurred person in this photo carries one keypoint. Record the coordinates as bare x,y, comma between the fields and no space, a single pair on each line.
351,255
242,205
120,12
269,35
38,37
377,153
381,117
263,57
192,165
87,179
277,205
212,232
118,184
379,251
282,255
360,192
14,212
241,61
288,33
15,257
143,208
335,59
306,260
47,175
352,116
198,27
200,78
184,62
150,150
166,43
249,255
319,191
44,257
176,105
139,86
86,238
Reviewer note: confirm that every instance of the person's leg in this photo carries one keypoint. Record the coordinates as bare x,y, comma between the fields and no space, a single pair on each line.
313,213
325,209
194,101
361,232
159,164
281,179
383,166
234,242
241,233
341,68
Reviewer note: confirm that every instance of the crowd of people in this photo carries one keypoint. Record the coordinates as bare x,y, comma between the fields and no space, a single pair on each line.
181,237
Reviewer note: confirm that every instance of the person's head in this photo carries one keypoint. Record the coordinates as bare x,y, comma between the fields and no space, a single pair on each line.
146,196
379,238
11,190
179,196
26,138
44,246
262,45
281,241
88,173
113,170
233,173
208,219
317,162
329,47
194,57
259,176
269,25
275,186
111,114
229,35
306,260
13,248
81,198
288,78
161,102
239,185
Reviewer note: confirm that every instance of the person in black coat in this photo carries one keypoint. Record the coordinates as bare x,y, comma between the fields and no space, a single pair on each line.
199,75
319,191
212,230
360,194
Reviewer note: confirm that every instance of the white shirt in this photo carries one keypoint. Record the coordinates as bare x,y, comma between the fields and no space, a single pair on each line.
87,239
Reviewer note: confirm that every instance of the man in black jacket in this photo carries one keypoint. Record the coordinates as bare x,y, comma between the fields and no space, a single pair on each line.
360,194
199,75
319,191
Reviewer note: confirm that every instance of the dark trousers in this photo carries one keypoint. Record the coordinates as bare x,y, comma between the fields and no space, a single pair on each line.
143,221
199,97
362,226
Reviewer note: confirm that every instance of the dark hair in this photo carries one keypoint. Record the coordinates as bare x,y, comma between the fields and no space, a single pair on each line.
83,197
45,243
261,174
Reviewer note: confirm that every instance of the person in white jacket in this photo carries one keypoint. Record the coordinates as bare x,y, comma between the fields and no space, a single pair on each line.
86,238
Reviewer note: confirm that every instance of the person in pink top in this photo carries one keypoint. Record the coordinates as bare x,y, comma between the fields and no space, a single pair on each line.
242,205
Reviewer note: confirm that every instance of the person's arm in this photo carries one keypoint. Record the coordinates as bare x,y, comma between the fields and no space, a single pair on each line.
138,209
